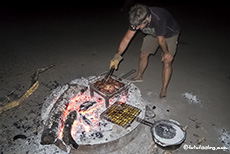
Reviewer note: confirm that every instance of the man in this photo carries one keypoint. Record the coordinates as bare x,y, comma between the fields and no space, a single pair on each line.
162,30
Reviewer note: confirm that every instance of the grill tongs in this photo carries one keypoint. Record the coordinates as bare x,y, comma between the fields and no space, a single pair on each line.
108,74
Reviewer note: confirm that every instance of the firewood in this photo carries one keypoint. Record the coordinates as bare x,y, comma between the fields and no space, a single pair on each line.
53,123
67,137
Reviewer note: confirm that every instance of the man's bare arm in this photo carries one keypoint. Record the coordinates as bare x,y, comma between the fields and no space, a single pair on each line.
125,41
162,43
164,47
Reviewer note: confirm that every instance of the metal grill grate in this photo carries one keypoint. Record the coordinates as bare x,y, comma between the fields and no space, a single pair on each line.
93,88
121,114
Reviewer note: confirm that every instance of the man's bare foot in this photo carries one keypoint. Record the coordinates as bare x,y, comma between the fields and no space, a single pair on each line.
136,79
162,94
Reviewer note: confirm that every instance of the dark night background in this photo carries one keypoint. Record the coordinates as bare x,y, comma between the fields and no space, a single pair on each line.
210,7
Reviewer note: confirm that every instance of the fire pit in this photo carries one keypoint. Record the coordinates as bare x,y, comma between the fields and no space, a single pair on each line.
72,117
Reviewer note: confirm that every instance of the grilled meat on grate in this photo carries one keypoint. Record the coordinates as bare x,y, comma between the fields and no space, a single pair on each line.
121,114
108,87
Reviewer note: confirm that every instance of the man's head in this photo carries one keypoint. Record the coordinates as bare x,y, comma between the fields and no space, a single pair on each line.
139,16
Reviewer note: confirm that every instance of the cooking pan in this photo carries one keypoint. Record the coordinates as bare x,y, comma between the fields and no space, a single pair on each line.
166,133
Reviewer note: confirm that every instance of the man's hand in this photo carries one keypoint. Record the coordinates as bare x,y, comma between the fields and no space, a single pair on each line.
115,61
167,57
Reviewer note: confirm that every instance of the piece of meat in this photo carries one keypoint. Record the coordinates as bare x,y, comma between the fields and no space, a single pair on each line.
109,87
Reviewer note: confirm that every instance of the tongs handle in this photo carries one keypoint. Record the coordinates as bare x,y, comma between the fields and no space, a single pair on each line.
110,72
124,76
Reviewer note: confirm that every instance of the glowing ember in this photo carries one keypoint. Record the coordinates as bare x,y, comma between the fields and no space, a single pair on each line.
88,120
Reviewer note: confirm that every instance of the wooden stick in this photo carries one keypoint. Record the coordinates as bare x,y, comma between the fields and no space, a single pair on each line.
32,89
20,100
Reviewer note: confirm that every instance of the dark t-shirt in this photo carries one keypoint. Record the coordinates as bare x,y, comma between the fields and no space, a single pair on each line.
162,24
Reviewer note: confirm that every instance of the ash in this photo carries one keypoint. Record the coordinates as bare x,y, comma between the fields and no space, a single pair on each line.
225,139
191,97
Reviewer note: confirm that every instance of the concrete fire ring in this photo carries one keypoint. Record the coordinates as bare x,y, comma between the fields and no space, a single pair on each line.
104,147
117,138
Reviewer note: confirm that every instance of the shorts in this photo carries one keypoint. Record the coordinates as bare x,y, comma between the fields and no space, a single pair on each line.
150,44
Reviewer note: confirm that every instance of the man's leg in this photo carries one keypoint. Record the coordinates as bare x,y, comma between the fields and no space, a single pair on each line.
149,46
167,66
166,74
143,62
